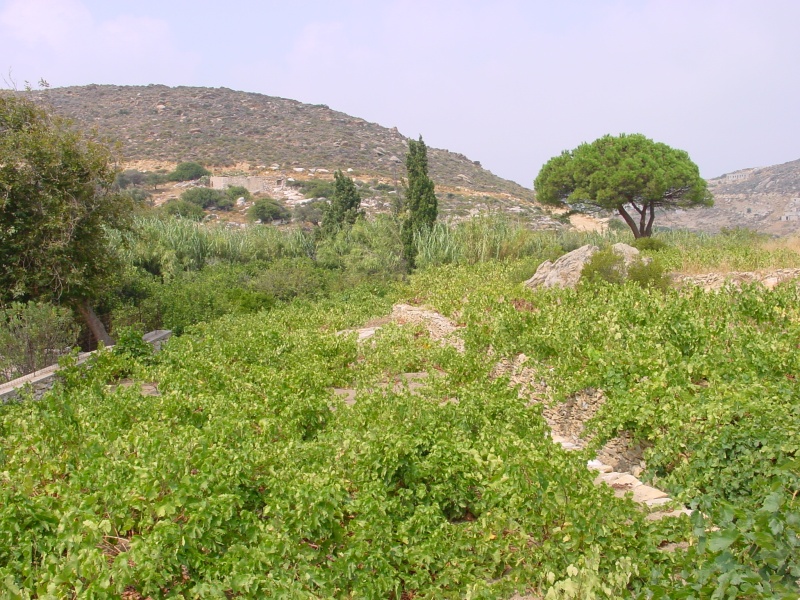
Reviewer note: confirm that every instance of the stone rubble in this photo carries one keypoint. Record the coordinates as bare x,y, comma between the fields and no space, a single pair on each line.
716,281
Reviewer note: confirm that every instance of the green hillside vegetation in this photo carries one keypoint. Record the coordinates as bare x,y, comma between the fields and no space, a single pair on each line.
248,477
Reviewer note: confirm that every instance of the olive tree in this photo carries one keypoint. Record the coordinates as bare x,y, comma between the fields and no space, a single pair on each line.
56,201
629,174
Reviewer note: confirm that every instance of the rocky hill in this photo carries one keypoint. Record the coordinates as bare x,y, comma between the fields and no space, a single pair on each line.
764,199
252,134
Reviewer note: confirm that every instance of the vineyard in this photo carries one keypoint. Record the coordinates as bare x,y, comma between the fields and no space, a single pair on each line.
229,466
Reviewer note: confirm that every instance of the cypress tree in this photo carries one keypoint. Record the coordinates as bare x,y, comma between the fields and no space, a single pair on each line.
344,207
421,203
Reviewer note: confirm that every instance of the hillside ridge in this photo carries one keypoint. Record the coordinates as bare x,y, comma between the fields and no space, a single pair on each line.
765,199
249,133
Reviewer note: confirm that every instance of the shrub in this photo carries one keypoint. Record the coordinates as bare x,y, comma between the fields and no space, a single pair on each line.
207,198
267,209
649,243
138,195
128,178
33,336
188,171
183,209
235,192
315,188
649,275
288,278
605,265
309,212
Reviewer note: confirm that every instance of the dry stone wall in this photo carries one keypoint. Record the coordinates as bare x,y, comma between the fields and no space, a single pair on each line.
39,382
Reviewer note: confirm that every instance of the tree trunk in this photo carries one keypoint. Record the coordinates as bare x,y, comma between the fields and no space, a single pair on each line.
631,223
649,229
94,324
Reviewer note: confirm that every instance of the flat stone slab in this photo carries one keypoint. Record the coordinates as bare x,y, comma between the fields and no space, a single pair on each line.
643,493
596,465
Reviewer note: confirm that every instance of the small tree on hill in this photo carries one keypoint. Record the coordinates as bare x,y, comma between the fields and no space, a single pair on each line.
188,171
344,207
629,174
421,206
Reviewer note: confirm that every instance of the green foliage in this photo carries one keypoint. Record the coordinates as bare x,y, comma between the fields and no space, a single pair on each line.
207,198
138,196
743,553
235,192
315,188
344,206
128,178
420,201
57,204
188,171
155,179
649,243
649,275
267,210
240,479
604,265
607,266
287,278
628,174
309,212
183,209
33,335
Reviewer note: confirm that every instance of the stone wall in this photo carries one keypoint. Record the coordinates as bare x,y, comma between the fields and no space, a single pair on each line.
39,382
254,185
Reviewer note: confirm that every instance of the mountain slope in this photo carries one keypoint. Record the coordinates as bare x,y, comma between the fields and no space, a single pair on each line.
249,134
765,199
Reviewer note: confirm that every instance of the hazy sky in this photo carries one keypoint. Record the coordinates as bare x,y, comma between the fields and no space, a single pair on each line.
509,83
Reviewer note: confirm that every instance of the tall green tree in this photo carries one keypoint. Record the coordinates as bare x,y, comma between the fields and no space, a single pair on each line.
421,205
345,204
56,201
629,174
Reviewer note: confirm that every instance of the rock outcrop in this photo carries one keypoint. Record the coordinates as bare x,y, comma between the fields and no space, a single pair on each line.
566,271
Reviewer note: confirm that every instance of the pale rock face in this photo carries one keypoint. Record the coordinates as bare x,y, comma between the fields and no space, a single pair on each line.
564,272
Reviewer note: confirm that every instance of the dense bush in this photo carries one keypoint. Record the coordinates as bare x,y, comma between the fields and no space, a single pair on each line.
315,188
207,198
128,178
288,278
188,171
235,192
309,212
608,266
604,265
649,243
267,210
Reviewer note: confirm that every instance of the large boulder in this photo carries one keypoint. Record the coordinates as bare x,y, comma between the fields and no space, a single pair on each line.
566,271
